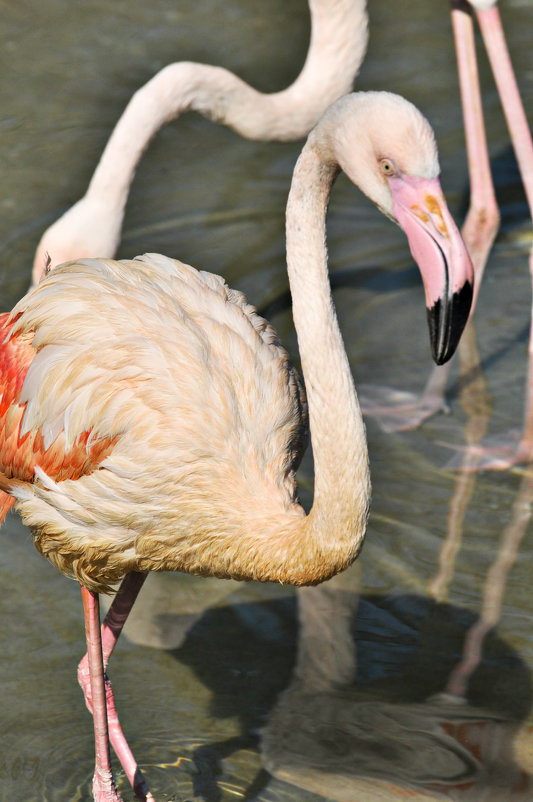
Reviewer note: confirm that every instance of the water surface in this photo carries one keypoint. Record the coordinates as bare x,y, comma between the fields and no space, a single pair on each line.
340,692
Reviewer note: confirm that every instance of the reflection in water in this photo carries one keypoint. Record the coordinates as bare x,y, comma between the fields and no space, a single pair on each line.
477,403
392,732
491,608
337,739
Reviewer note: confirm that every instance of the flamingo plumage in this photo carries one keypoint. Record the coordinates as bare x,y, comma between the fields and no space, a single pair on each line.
92,226
153,421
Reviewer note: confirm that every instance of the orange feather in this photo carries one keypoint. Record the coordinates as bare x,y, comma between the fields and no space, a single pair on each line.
20,454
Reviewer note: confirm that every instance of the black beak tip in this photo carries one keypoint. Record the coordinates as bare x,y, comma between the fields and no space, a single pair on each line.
446,322
441,359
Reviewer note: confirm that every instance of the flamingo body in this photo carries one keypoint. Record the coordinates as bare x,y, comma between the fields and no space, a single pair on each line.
166,408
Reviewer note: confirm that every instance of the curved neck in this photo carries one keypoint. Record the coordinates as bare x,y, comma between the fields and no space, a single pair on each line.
339,38
286,545
338,43
342,480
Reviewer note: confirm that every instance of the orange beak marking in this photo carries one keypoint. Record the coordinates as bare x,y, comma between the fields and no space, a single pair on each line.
435,210
420,213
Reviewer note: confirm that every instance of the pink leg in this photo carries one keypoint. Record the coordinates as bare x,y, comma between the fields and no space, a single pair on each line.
110,632
119,611
483,219
493,36
103,786
395,411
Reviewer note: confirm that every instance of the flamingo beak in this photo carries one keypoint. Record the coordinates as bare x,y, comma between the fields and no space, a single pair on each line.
437,247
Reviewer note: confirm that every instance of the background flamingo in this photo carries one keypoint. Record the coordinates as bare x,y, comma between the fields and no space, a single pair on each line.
338,44
479,231
150,419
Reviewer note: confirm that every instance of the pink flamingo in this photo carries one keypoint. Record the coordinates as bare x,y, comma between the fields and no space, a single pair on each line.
151,420
396,411
338,44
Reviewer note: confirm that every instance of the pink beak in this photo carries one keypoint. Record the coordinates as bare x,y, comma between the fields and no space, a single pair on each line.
440,253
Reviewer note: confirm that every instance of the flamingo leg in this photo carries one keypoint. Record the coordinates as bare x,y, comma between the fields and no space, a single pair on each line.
396,411
109,634
479,231
103,785
483,219
119,611
493,36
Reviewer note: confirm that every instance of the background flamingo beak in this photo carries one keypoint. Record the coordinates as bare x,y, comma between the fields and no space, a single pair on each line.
440,253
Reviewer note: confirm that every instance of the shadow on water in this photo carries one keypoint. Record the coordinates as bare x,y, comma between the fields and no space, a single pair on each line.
352,700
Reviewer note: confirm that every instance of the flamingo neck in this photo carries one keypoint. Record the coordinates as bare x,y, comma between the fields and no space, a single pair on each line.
286,545
337,520
337,46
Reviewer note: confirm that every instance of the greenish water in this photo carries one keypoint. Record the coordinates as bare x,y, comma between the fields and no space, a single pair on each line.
257,698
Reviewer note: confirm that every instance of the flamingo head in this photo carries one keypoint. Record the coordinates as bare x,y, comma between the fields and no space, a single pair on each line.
387,148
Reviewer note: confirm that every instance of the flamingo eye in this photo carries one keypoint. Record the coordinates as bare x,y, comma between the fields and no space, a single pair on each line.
387,167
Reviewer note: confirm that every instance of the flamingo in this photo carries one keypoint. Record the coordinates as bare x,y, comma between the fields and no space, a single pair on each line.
150,419
92,226
395,411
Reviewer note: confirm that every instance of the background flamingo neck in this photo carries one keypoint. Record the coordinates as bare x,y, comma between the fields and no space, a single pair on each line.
342,482
339,38
337,47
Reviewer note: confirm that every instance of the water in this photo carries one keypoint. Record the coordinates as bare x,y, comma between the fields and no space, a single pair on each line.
256,697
